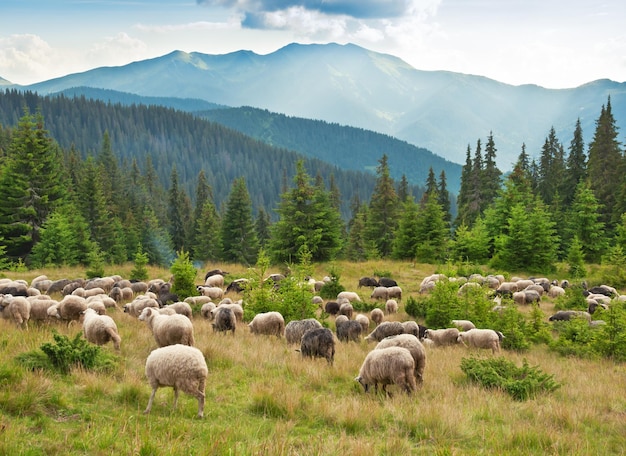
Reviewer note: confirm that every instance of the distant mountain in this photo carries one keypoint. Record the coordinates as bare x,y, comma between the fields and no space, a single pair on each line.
346,84
4,82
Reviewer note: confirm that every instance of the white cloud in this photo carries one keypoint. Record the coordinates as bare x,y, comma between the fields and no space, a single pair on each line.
25,58
117,49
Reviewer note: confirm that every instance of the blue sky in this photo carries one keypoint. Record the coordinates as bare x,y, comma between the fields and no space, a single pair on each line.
552,43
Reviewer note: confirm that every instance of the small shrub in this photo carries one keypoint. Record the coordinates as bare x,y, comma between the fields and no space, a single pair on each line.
333,288
95,260
382,273
521,383
139,271
416,307
184,276
573,299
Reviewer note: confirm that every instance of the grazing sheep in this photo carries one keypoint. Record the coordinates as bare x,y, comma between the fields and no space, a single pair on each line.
387,282
181,367
363,321
197,300
555,291
100,329
206,310
536,287
296,328
120,294
331,308
480,338
237,285
377,316
168,329
237,309
348,330
526,297
97,305
388,366
506,289
181,308
211,292
225,320
268,323
71,308
385,329
380,293
346,309
104,299
16,308
213,272
465,325
136,306
349,295
414,346
318,343
442,337
391,306
411,327
39,307
341,319
394,292
368,282
317,300
566,315
216,280
104,283
14,288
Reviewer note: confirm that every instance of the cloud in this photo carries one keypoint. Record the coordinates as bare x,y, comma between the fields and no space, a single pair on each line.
24,58
117,49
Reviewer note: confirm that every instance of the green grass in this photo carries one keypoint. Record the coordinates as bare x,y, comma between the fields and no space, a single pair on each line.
263,398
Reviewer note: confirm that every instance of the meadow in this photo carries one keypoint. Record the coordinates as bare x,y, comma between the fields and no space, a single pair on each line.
262,398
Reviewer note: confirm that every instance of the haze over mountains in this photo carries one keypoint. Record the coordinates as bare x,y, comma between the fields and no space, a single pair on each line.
349,85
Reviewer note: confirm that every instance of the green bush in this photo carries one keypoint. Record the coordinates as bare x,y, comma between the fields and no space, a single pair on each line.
184,276
333,288
65,354
521,383
573,299
416,307
139,271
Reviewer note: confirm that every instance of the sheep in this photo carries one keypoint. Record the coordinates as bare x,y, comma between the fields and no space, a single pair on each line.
39,307
363,321
331,308
480,338
411,327
104,283
237,285
216,280
57,286
385,329
349,295
442,337
138,287
211,292
120,294
237,310
181,367
555,291
566,315
506,289
380,293
346,309
70,308
136,306
341,319
16,308
387,282
268,323
100,329
368,282
213,272
377,316
181,308
206,309
318,343
317,300
526,297
391,306
414,346
394,292
348,330
197,300
386,366
465,325
224,320
296,328
168,329
104,299
97,305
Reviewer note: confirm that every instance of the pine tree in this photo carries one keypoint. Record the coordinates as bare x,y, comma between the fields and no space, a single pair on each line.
32,184
175,213
262,226
239,240
444,198
576,166
405,241
473,244
432,234
403,189
605,166
491,175
208,243
462,201
583,223
551,168
383,219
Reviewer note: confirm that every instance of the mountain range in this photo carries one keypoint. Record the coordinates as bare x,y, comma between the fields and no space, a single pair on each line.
441,111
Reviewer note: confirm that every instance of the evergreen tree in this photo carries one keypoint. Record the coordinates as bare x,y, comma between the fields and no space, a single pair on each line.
462,201
432,232
111,177
239,240
32,184
405,241
605,166
491,175
358,247
576,166
403,189
431,184
475,197
583,223
307,218
551,168
383,211
155,240
208,243
473,244
262,226
175,213
444,198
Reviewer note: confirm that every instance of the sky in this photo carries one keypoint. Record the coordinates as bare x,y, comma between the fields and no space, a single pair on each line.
551,43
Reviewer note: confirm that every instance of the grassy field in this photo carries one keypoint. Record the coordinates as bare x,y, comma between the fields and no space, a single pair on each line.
262,398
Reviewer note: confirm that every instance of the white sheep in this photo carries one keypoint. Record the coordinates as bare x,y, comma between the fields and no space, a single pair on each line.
387,366
100,329
377,316
206,310
394,292
391,306
349,295
98,306
414,346
216,280
346,309
363,321
108,302
442,337
168,329
224,319
181,308
16,308
197,300
237,309
136,306
181,367
385,329
268,323
296,328
71,308
39,306
380,293
465,325
211,292
480,338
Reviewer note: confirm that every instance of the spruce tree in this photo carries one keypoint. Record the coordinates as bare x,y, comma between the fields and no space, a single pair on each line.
462,201
405,241
383,211
583,223
239,240
262,226
576,166
432,234
175,214
551,168
208,243
444,198
403,189
491,175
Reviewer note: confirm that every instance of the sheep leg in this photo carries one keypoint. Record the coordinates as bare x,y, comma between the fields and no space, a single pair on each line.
175,396
201,396
149,407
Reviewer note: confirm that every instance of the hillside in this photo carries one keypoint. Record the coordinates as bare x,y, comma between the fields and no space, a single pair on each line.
349,85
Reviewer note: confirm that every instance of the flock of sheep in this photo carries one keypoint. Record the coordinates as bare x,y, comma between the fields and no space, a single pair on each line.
399,358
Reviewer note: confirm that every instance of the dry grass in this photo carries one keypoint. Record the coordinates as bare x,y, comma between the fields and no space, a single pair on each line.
263,398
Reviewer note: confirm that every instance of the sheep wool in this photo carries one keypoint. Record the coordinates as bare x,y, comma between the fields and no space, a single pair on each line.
377,316
16,308
388,366
100,329
414,346
318,343
480,338
181,367
296,328
168,329
268,323
385,329
442,337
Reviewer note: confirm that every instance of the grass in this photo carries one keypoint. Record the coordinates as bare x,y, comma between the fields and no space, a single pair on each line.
263,398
